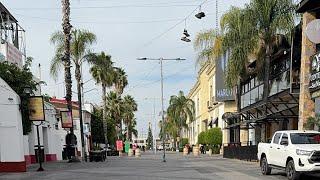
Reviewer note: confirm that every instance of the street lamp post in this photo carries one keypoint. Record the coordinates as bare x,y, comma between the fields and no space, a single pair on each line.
162,106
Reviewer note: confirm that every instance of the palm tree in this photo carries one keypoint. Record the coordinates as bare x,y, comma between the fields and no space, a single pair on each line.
115,109
239,40
208,43
255,31
120,80
65,52
132,129
79,52
102,72
130,106
272,17
180,110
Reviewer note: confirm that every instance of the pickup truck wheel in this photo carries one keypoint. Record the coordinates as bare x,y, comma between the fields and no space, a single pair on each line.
265,169
291,172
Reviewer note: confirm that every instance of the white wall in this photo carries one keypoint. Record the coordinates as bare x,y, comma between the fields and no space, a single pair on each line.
11,134
50,138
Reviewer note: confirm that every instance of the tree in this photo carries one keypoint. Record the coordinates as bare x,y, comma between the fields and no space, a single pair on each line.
214,137
132,129
65,52
208,43
18,79
102,72
180,110
272,17
239,41
115,110
79,52
313,122
202,138
120,80
150,138
255,31
97,132
130,106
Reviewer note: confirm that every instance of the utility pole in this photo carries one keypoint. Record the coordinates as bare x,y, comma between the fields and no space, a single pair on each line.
162,106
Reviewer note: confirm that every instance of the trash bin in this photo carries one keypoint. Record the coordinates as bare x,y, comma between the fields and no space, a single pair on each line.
36,152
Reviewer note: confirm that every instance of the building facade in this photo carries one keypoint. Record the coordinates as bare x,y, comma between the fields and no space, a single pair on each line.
212,99
61,105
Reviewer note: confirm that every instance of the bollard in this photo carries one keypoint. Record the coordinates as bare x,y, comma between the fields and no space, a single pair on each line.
210,152
138,153
195,151
120,153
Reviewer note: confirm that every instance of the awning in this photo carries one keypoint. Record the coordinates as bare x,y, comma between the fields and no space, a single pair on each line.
278,107
308,6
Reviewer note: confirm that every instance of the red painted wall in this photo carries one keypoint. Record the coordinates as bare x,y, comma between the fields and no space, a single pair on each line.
13,166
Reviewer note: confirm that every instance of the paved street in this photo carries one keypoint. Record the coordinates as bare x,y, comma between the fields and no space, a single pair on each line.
149,167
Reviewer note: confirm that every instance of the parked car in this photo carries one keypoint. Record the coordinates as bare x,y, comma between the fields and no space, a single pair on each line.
295,152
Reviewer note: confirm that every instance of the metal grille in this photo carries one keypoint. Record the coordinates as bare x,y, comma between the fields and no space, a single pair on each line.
315,157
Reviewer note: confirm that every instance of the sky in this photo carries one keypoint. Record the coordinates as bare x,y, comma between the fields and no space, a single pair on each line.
126,30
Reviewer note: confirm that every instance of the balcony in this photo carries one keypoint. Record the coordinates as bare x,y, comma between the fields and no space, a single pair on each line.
212,103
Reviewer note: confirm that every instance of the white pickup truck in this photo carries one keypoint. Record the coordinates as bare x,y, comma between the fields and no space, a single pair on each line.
294,151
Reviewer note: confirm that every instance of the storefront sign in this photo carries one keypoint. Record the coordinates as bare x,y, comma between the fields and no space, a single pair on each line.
314,73
66,119
36,108
222,92
119,145
312,31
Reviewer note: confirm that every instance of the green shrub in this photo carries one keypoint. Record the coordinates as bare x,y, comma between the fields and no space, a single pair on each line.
214,137
202,138
184,141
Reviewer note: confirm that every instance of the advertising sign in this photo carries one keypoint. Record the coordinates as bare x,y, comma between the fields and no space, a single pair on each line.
222,92
314,83
66,119
119,145
312,31
11,54
36,108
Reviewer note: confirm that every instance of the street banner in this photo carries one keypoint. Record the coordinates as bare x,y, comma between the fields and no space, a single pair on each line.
66,119
36,108
119,145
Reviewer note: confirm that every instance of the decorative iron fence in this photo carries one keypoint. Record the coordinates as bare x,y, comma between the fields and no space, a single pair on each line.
236,151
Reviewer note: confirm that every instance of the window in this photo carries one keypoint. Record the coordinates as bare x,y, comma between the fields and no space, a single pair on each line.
276,138
305,138
284,139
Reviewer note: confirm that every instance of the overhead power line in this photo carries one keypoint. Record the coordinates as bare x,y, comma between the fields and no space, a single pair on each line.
172,27
102,22
108,7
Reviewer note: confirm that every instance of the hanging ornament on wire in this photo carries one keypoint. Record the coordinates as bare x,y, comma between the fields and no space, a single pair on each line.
200,14
185,33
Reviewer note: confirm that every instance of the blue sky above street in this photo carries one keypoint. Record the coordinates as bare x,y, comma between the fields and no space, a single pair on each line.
126,30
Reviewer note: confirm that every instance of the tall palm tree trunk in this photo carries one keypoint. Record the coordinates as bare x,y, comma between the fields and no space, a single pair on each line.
104,113
78,78
266,85
66,56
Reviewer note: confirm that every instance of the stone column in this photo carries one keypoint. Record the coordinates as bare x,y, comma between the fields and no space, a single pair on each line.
306,105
